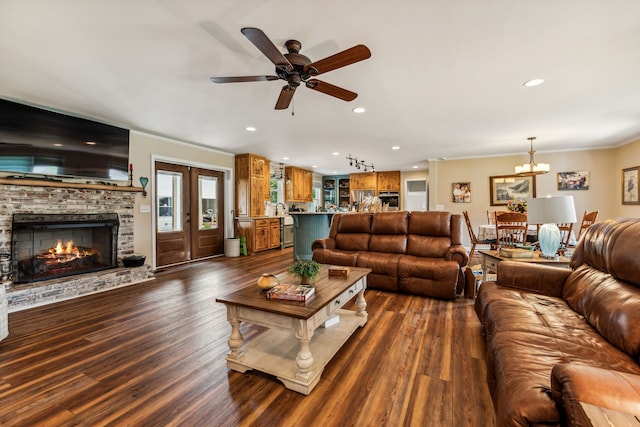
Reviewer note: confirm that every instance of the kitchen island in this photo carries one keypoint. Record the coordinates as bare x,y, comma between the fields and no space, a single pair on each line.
307,227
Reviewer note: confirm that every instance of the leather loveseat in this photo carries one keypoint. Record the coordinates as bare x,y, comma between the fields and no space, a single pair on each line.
559,339
414,252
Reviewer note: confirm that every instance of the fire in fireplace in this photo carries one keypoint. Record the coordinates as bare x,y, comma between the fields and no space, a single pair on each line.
47,246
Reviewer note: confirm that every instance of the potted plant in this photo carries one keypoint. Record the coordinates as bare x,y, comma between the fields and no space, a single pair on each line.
306,270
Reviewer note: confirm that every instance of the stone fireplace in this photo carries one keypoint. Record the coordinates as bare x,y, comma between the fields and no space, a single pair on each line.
29,210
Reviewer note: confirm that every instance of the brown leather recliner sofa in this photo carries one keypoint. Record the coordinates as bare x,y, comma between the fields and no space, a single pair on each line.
557,338
414,252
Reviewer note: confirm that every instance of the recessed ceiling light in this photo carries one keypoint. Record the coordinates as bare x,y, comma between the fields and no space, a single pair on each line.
90,143
415,167
359,110
285,158
57,144
314,166
395,147
335,153
250,129
533,82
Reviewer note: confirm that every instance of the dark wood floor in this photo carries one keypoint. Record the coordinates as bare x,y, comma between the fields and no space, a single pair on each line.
153,354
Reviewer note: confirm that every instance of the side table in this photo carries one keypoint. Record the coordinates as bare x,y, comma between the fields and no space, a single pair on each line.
491,259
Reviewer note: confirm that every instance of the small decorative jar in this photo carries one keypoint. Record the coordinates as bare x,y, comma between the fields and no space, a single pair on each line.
268,281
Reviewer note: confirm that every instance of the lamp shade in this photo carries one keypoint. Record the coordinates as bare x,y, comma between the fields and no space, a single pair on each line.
551,210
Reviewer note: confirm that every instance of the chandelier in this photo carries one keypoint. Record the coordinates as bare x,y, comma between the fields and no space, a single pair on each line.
532,168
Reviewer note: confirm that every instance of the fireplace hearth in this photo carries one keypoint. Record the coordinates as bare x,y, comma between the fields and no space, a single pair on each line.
47,246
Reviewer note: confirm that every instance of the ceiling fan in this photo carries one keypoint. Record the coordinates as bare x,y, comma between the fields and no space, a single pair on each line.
296,68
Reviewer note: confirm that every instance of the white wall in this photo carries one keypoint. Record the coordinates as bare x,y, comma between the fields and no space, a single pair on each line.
144,150
604,167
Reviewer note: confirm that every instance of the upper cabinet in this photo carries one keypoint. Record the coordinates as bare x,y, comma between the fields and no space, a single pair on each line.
335,191
388,181
252,184
298,184
363,181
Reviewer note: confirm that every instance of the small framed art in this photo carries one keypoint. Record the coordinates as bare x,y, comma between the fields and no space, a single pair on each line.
630,186
461,192
576,180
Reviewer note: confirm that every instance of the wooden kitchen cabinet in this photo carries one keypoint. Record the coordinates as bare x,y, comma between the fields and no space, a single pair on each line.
261,234
251,184
274,233
388,181
298,184
363,181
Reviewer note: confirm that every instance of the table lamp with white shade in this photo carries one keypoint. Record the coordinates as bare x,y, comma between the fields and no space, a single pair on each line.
550,211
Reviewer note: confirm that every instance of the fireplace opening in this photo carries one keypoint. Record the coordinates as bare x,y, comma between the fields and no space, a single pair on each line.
48,246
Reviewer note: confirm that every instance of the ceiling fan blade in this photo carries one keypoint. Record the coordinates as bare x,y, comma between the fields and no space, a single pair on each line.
332,90
266,46
286,95
338,60
243,79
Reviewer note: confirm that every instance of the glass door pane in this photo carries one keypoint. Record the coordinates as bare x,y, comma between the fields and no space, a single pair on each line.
169,203
207,202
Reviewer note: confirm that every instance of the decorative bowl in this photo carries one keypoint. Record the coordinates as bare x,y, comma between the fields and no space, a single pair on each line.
268,281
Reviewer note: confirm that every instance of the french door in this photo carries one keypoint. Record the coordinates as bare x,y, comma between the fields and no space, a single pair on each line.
189,213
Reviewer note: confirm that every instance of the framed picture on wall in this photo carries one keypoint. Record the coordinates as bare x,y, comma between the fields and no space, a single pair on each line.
577,180
461,192
511,187
630,186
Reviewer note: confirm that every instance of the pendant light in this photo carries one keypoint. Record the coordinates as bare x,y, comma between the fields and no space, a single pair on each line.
532,168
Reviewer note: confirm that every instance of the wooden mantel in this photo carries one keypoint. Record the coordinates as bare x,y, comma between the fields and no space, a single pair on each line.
62,184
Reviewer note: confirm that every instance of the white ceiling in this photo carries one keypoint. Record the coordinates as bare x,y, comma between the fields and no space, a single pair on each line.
444,79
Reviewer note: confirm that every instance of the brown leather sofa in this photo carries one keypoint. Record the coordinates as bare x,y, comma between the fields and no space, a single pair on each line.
561,338
414,252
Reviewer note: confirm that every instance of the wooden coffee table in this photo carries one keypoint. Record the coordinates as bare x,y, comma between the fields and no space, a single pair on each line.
297,346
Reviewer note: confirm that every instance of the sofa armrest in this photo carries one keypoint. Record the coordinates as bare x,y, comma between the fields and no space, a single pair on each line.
573,384
459,254
542,279
326,243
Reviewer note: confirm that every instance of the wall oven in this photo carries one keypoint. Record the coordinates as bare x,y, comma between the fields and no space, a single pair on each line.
390,198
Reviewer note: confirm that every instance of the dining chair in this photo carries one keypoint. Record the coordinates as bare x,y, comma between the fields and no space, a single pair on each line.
565,232
474,239
589,218
511,229
491,217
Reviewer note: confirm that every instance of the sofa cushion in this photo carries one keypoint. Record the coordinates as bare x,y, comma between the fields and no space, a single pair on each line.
384,269
611,246
430,223
352,241
427,246
611,306
389,232
390,223
354,223
428,276
388,243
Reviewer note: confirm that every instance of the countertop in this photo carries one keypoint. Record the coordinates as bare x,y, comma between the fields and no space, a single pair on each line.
309,213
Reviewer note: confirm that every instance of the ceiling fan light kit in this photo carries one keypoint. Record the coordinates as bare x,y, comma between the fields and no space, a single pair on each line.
295,68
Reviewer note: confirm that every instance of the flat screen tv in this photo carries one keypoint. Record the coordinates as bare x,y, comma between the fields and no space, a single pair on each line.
39,142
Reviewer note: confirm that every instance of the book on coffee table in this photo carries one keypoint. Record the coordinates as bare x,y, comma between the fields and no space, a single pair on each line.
290,292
